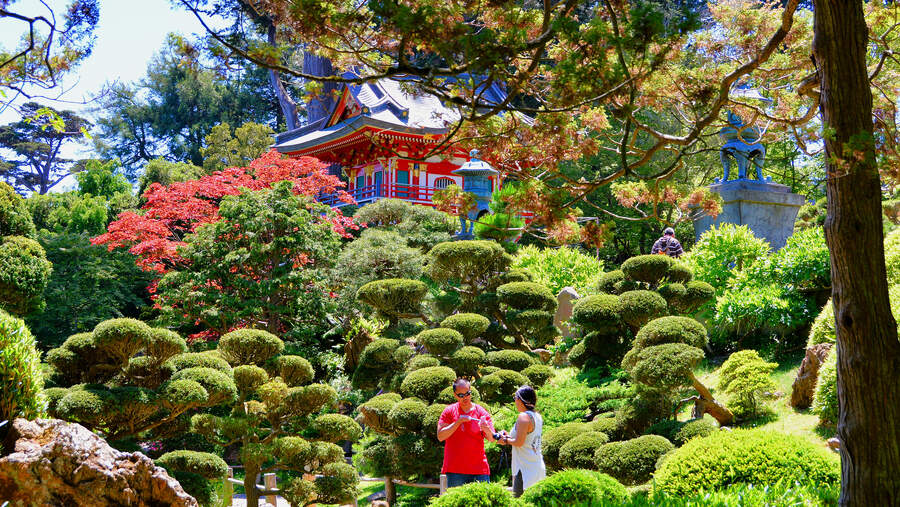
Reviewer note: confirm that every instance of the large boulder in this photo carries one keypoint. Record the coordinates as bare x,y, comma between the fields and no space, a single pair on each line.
805,383
52,462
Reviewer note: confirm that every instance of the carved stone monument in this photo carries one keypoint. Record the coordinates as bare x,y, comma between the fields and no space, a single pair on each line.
768,208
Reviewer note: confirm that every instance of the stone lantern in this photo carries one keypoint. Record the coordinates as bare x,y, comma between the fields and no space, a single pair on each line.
476,176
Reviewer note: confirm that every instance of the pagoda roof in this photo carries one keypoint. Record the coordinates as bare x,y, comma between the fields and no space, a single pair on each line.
384,106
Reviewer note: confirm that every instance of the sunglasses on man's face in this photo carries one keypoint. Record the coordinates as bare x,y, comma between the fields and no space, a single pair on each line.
463,395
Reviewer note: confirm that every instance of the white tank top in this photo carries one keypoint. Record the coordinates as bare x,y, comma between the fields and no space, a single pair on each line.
528,458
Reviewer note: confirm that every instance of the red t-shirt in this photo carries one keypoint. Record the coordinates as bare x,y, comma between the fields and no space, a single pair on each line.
464,450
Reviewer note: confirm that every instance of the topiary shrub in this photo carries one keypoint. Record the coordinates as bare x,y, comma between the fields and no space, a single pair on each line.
515,360
527,295
607,281
553,440
640,306
407,416
15,218
440,341
467,361
745,456
209,466
374,413
538,375
448,397
723,251
427,383
394,298
745,376
420,361
579,451
249,346
649,269
336,428
501,384
432,416
598,313
575,488
578,355
122,338
196,360
611,426
469,325
679,272
476,494
21,381
692,429
632,462
825,398
24,274
672,330
378,361
697,293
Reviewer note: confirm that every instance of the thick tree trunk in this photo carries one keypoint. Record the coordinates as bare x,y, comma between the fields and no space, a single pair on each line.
287,104
707,404
868,353
319,106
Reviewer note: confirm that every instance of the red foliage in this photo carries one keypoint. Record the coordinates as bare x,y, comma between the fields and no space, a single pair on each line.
178,209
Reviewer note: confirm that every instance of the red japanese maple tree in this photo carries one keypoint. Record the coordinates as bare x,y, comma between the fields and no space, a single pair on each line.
154,233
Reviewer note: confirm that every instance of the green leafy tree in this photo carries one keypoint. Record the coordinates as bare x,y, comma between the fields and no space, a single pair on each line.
745,376
263,263
722,252
225,148
423,227
164,172
275,402
15,217
21,379
100,179
37,142
559,267
24,273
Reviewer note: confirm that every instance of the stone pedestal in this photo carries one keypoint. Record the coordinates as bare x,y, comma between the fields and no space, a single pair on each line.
769,209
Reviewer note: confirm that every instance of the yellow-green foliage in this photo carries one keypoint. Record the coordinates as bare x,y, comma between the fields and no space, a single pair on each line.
632,461
825,398
579,451
122,338
745,376
538,375
647,268
476,494
470,325
393,297
204,464
427,383
558,268
295,370
164,344
501,384
440,341
745,456
197,360
20,371
24,273
407,416
467,360
15,219
640,306
336,428
598,313
553,440
576,488
420,361
527,296
249,346
515,360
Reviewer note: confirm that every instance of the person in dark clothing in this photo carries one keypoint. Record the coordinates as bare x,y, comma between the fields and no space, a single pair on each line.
667,244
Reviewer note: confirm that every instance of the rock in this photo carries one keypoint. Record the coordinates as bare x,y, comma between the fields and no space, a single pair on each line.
565,302
544,354
52,462
805,383
834,443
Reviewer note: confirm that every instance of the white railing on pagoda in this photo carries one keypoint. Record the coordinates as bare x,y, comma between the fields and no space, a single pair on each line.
416,194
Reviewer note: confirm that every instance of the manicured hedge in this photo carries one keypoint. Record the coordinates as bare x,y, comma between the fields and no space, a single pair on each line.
427,383
575,488
633,461
579,451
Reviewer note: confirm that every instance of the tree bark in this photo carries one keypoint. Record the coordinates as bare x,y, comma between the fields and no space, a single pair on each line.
868,353
320,105
707,404
287,104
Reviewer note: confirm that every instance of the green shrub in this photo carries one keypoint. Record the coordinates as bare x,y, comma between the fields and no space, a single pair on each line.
579,451
209,466
632,461
440,341
578,355
611,426
647,268
892,256
337,427
553,440
379,353
21,381
538,375
432,416
825,398
745,456
462,259
527,296
671,330
407,416
467,360
692,429
723,251
745,376
487,370
476,494
607,281
337,484
640,306
420,361
375,412
598,313
575,488
295,370
165,343
515,360
248,377
558,268
697,293
249,346
501,384
24,274
122,338
679,272
783,492
470,325
393,297
199,360
427,383
15,218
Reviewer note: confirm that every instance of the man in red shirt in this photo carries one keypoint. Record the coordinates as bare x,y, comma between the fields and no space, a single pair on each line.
464,426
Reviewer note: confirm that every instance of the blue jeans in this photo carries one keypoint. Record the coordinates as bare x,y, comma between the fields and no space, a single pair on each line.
454,480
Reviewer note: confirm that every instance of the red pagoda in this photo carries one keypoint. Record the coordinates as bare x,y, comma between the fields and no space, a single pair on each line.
382,139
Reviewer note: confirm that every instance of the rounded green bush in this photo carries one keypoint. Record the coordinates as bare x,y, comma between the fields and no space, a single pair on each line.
647,268
85,403
407,415
209,466
664,366
822,330
601,312
578,355
52,396
612,426
165,343
692,429
374,413
641,306
440,341
427,383
122,338
487,370
452,258
309,399
467,360
607,281
476,494
422,361
219,385
825,397
527,296
579,451
432,416
295,370
402,354
199,360
15,218
679,272
697,293
555,438
470,325
633,461
417,455
501,384
337,427
184,392
379,353
21,381
248,377
672,292
24,274
538,375
249,346
393,296
671,330
576,488
515,360
666,428
448,397
745,456
337,483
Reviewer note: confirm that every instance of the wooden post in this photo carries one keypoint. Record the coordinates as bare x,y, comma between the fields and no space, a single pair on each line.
228,490
390,491
271,483
443,484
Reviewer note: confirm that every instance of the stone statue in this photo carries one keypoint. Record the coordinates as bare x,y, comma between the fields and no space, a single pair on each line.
742,143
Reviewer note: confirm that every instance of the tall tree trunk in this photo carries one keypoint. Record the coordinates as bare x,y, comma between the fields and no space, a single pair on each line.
868,353
287,104
319,106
